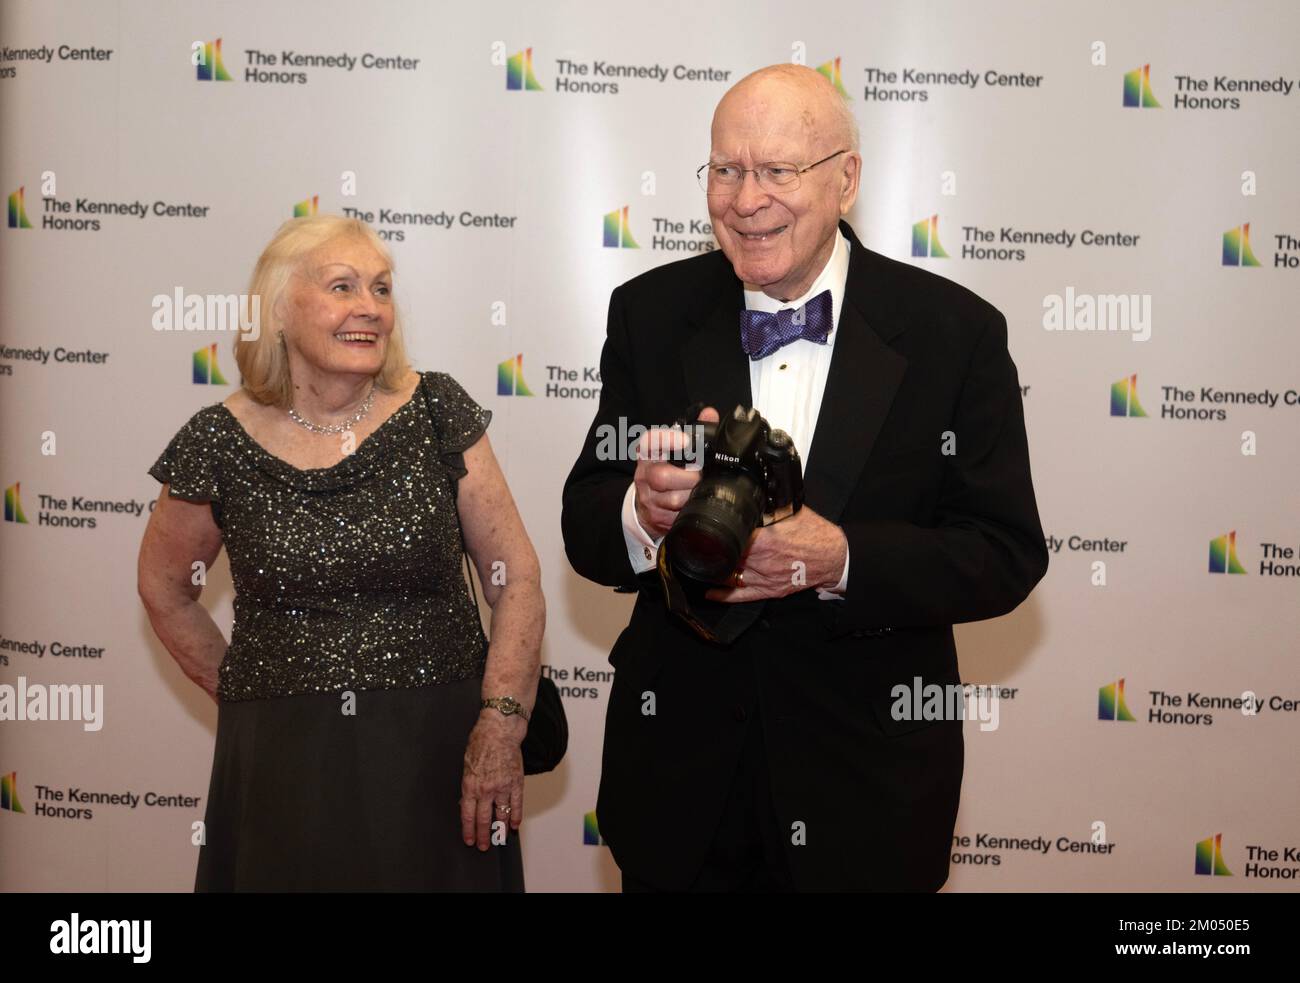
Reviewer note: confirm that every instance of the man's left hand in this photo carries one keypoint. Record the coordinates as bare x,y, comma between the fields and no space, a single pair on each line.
802,552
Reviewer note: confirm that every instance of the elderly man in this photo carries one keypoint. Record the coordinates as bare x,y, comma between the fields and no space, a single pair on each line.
774,759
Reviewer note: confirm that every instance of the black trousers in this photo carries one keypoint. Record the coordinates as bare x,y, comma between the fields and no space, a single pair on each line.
748,849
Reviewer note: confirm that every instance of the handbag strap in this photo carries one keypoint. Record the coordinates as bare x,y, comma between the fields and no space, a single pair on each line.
455,495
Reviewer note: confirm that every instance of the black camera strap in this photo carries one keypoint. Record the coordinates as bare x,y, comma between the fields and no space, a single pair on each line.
675,596
721,622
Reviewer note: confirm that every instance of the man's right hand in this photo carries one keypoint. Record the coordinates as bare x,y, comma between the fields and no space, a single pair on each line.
662,488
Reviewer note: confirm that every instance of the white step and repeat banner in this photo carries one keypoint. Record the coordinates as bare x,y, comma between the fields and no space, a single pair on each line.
1119,179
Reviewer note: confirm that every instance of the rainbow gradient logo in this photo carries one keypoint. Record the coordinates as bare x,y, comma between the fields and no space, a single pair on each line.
519,73
14,504
209,66
306,207
1110,702
925,238
206,372
18,210
1137,89
1209,857
9,792
1236,246
831,70
591,831
1223,554
1124,398
510,377
617,232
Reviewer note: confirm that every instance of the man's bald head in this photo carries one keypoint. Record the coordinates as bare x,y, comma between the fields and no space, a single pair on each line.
823,110
780,233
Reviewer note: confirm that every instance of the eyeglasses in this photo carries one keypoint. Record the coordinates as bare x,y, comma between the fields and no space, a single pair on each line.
774,176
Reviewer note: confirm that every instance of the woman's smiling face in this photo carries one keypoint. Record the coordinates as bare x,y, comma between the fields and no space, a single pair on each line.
340,308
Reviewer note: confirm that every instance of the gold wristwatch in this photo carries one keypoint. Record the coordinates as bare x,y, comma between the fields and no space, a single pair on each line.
508,705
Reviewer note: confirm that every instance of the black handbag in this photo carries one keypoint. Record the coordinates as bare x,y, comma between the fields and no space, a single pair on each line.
547,737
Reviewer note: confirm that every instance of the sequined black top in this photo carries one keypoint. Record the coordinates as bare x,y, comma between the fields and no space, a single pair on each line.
347,577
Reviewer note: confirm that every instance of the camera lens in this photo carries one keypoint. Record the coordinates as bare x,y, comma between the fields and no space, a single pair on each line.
713,528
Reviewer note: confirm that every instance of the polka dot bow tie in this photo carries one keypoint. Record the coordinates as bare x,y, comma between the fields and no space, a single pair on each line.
762,333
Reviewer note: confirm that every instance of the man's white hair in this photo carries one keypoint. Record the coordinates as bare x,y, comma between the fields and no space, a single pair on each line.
848,124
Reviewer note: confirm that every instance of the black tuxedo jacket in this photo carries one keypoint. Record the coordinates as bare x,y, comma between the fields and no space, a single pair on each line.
934,539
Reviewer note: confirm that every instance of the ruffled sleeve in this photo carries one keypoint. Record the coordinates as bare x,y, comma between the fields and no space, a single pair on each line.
190,462
457,419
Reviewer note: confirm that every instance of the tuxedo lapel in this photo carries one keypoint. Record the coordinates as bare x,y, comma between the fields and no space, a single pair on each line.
864,377
716,367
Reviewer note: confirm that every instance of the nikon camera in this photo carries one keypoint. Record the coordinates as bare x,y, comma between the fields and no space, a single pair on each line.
750,476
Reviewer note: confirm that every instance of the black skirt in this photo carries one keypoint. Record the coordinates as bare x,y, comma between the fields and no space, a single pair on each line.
306,798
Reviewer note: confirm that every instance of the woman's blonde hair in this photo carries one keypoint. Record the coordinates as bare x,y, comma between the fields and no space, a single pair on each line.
264,361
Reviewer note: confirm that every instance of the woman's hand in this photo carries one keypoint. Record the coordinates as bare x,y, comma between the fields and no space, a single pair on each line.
492,787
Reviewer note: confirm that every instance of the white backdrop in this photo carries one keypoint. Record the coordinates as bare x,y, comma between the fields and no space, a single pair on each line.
1019,125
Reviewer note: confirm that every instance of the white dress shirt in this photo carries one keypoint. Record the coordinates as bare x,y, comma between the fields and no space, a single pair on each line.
787,388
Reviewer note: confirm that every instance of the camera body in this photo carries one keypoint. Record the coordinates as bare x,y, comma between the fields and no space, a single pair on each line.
751,476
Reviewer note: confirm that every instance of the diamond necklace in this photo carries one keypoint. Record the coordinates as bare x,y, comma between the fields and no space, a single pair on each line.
343,427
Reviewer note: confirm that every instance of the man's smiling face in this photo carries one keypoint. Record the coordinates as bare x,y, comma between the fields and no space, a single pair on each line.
779,242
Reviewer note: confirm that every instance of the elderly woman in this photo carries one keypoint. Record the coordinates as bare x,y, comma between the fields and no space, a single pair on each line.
358,698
